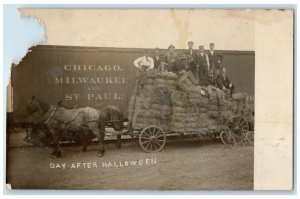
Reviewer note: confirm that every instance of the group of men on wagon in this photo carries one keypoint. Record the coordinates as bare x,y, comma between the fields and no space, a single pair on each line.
200,71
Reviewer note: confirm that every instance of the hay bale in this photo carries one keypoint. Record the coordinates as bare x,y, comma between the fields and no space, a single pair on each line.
239,96
213,102
248,113
179,104
178,119
171,82
205,119
155,106
178,109
168,75
177,127
204,102
213,114
156,114
142,112
191,120
162,87
160,80
225,107
226,114
151,73
178,96
194,101
138,126
202,124
234,108
161,98
148,81
212,107
192,109
202,110
178,115
147,91
164,126
166,108
191,115
194,95
141,120
172,76
148,87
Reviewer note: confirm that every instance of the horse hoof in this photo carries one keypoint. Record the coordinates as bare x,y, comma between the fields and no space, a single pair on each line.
100,155
59,154
53,156
56,155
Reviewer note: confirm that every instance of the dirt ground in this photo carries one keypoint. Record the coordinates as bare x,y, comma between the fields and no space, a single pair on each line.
183,165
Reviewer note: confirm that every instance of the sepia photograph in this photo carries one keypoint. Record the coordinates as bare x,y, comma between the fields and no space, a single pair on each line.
112,101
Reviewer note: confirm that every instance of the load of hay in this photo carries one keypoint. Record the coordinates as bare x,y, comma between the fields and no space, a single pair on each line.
159,102
151,105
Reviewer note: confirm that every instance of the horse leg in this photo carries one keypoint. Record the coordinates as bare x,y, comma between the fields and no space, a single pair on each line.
56,153
101,142
84,141
84,146
118,144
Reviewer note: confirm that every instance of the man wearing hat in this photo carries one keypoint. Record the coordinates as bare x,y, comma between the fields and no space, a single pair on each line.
171,59
202,61
163,65
210,80
156,58
224,83
215,60
192,56
188,84
211,56
190,51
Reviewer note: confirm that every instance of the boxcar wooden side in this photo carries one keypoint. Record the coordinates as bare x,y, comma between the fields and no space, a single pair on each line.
94,76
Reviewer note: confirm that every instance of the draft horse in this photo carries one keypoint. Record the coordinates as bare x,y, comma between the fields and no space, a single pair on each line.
83,120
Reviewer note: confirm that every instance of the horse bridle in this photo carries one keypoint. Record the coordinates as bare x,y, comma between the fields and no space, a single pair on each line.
38,109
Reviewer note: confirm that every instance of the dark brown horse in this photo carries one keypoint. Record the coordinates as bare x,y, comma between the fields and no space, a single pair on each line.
58,119
40,136
112,116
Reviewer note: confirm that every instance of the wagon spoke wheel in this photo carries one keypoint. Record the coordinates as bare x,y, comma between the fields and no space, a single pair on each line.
250,137
237,125
152,139
228,139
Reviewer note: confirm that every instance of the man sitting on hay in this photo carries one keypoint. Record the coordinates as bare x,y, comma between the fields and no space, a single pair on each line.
186,84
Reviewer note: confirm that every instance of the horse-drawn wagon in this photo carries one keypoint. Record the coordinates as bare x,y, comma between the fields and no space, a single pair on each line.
159,109
97,77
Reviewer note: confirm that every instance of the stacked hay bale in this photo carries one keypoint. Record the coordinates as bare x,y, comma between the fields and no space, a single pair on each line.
147,88
166,81
197,104
248,112
152,106
179,111
159,102
138,113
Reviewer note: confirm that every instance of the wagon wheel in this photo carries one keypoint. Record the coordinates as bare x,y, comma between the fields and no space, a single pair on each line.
228,139
152,139
237,125
250,137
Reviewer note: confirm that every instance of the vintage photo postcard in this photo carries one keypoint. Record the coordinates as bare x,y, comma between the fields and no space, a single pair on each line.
153,99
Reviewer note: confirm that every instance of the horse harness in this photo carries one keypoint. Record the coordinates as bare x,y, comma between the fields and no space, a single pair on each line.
111,120
51,113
